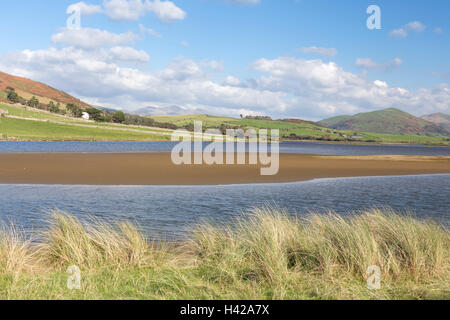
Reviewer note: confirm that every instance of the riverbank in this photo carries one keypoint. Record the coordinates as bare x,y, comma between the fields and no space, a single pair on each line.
268,255
158,169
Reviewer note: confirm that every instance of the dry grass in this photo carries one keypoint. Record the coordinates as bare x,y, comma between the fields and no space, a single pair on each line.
93,245
268,254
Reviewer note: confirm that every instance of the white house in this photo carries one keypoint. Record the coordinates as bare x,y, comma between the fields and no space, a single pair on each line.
85,116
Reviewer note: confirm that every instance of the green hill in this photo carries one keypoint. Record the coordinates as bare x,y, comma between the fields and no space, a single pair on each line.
389,121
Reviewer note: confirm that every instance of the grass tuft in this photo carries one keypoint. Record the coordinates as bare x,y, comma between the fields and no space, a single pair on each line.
89,246
269,254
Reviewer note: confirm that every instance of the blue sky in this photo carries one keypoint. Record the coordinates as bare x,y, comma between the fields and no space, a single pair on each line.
286,58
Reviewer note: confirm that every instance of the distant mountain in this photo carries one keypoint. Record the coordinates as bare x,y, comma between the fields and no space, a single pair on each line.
106,109
441,119
155,111
393,121
27,88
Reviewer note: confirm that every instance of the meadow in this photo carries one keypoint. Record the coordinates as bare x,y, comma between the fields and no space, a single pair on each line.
269,254
48,131
302,130
57,127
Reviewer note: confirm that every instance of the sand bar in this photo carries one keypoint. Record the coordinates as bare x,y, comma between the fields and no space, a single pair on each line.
157,169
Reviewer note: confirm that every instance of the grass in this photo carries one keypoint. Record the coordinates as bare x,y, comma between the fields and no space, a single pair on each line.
26,112
38,130
20,129
267,255
304,130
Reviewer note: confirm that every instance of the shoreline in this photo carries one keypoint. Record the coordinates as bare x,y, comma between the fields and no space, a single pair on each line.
357,143
156,169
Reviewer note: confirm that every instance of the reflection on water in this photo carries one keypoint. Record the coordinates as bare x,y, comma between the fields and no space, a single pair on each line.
285,147
166,212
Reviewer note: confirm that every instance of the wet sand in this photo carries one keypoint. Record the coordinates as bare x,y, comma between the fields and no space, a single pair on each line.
157,169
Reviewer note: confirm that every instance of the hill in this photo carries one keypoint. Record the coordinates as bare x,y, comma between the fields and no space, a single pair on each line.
441,119
27,88
154,111
389,121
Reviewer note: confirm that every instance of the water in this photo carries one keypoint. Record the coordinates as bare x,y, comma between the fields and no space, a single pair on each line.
165,213
285,147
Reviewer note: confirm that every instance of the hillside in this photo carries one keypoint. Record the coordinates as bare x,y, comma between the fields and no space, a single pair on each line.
389,121
27,88
441,119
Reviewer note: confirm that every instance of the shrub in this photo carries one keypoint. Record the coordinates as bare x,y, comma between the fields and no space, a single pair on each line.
13,97
118,117
33,102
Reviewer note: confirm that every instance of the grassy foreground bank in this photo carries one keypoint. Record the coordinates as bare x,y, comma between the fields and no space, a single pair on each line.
267,255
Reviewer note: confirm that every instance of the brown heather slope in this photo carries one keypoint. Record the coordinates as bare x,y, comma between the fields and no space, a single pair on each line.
441,119
28,88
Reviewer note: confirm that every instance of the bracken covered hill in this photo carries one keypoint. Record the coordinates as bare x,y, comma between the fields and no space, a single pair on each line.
27,88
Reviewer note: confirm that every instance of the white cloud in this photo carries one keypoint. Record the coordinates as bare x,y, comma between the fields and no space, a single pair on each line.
92,38
184,43
414,26
232,81
85,9
438,30
380,83
149,31
380,66
124,9
128,54
166,11
213,65
286,87
329,52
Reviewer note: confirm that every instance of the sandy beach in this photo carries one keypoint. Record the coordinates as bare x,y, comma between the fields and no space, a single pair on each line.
157,169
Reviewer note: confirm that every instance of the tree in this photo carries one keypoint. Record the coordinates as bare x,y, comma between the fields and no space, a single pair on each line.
13,97
74,110
33,102
95,114
119,117
53,108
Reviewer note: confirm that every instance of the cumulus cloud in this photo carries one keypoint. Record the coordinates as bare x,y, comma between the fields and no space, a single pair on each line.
329,52
414,26
166,11
368,63
92,38
232,81
85,9
128,54
285,86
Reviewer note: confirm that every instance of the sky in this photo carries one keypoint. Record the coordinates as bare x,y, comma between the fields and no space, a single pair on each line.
308,59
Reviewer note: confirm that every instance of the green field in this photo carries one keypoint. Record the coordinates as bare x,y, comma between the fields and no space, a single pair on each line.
302,131
268,255
42,115
38,130
65,128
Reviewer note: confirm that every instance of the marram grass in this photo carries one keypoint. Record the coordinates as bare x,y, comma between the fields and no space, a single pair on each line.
266,255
